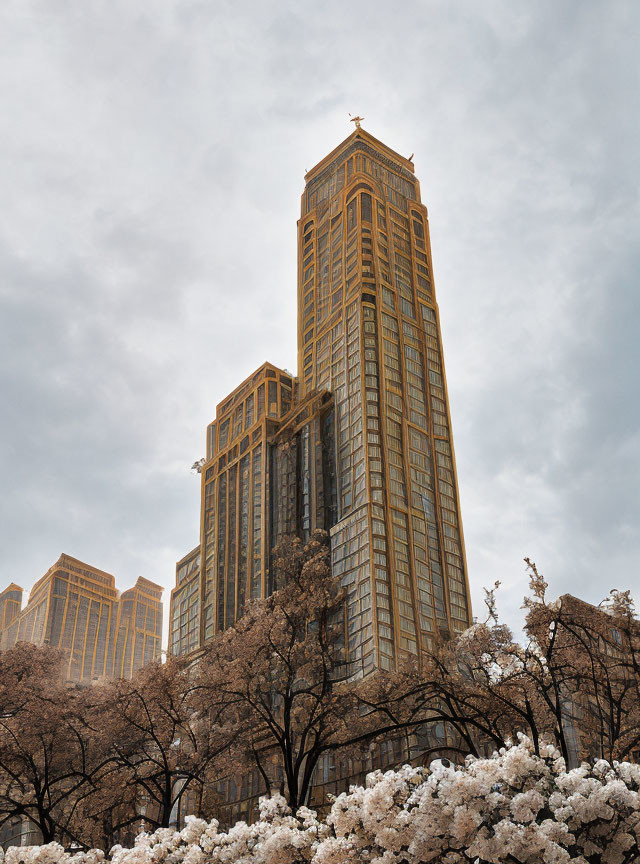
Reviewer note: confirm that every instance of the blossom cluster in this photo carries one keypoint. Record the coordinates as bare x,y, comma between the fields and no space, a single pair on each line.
516,806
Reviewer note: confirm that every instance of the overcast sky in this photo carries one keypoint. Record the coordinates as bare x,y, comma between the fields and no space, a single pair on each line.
152,157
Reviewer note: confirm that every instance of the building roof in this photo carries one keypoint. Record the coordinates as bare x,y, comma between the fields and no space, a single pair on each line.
365,137
68,562
228,402
143,584
195,551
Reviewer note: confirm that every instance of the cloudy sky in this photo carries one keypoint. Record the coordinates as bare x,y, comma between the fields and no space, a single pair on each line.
151,161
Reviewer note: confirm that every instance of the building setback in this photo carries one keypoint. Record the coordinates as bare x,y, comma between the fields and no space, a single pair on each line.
76,607
360,444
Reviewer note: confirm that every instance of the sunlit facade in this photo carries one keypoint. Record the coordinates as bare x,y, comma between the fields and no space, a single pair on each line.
359,444
235,496
369,332
76,607
139,629
269,472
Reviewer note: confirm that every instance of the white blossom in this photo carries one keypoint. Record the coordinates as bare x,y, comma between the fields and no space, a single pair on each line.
516,801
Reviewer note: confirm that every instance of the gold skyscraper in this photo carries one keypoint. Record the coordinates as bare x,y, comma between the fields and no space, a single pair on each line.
369,332
76,607
359,444
139,628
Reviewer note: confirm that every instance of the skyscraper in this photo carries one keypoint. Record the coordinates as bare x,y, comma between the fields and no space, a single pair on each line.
360,443
139,628
369,332
76,607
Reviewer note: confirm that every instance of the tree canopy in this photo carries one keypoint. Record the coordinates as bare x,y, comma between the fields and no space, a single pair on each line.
275,692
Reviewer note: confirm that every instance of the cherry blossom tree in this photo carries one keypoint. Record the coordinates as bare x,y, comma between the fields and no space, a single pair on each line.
51,747
88,765
575,678
515,807
161,745
278,671
279,676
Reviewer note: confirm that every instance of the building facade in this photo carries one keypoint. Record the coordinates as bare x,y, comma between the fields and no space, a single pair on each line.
10,605
184,621
139,630
76,607
360,444
369,332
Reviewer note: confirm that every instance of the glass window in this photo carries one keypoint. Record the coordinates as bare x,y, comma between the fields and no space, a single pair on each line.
285,394
243,549
237,421
249,412
273,399
256,574
211,440
232,550
366,207
224,432
352,216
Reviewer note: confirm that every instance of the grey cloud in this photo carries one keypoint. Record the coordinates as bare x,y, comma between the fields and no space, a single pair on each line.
152,161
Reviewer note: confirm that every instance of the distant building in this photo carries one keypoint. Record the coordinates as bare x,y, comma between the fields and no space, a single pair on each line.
10,605
235,497
139,633
184,620
76,607
597,634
